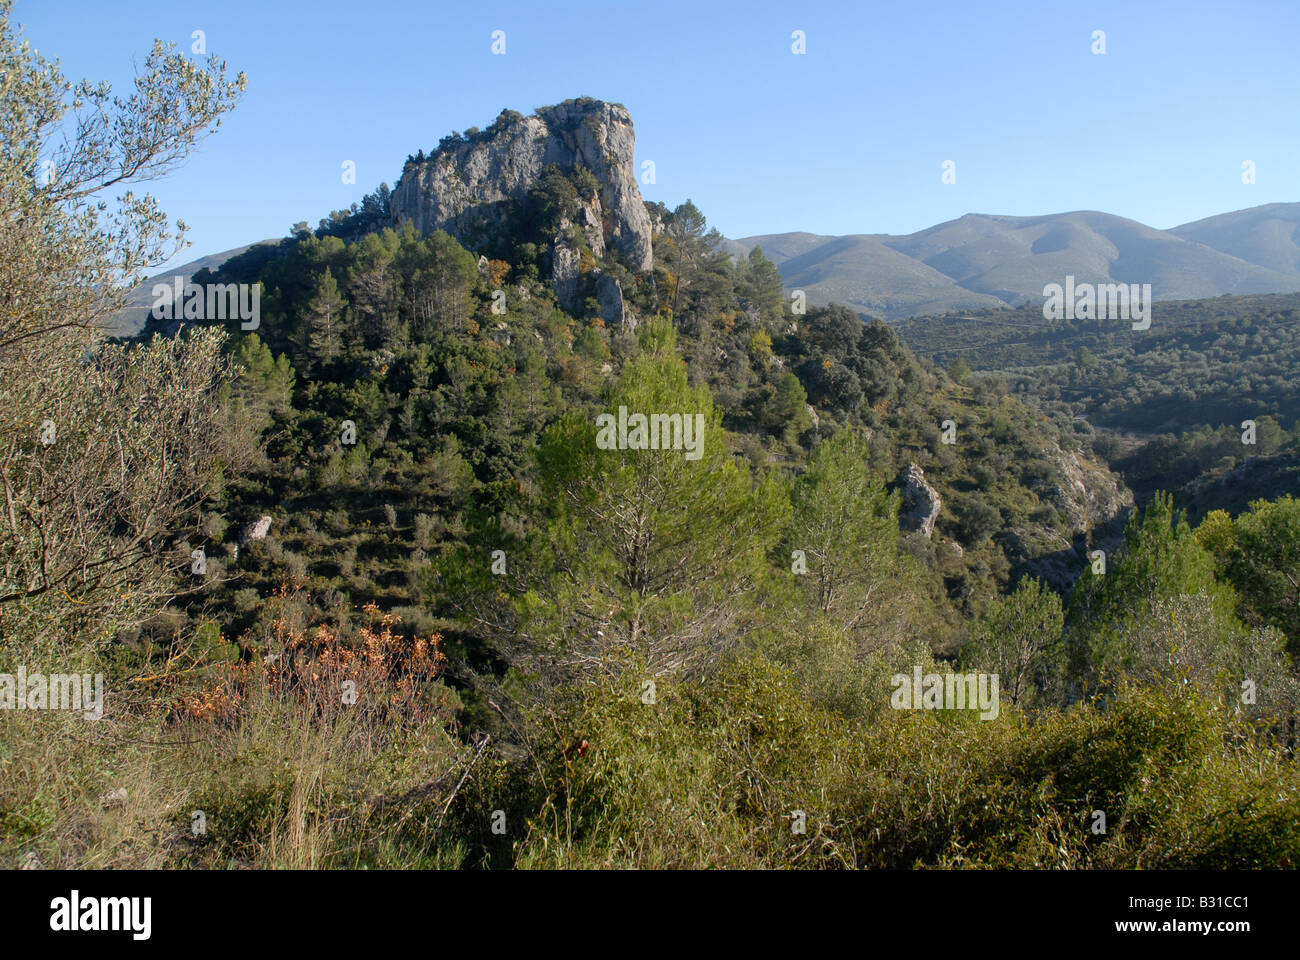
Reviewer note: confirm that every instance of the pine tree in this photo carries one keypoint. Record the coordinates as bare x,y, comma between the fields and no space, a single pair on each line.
651,552
846,524
761,285
1159,563
265,383
1259,554
1019,637
324,320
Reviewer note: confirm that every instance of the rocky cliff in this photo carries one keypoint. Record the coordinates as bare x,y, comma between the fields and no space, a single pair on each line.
467,183
1094,503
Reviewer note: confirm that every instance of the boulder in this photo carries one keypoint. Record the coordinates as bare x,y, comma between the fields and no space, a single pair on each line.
254,531
921,504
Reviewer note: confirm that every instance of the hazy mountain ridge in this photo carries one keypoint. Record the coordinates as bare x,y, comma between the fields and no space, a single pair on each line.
983,260
1268,235
979,261
131,320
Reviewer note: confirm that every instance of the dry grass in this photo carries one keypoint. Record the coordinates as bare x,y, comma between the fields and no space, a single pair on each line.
293,762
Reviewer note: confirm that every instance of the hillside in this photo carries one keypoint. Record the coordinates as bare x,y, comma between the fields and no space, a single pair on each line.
131,320
1267,235
1168,403
1202,363
441,437
980,261
530,527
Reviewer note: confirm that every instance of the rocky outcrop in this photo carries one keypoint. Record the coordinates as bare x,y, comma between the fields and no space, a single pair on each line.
1233,489
609,293
465,185
566,252
921,504
566,259
1094,503
254,531
657,225
1090,496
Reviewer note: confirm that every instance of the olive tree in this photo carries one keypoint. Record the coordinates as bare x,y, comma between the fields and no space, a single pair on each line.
105,449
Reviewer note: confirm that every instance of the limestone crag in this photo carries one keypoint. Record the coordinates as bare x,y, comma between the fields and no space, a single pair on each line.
920,502
463,187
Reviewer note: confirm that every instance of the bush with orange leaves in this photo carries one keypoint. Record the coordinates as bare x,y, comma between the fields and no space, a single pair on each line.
386,677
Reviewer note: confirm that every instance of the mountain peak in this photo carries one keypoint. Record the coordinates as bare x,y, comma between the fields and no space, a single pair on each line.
474,181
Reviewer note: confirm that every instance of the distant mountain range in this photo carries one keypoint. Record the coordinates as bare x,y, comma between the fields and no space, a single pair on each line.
991,261
982,260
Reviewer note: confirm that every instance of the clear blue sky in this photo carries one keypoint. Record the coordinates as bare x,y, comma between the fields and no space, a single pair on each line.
848,138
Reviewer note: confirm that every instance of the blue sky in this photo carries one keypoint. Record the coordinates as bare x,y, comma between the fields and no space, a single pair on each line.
847,138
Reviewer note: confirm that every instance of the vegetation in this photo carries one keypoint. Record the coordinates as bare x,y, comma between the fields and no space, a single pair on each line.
1166,406
368,590
1202,362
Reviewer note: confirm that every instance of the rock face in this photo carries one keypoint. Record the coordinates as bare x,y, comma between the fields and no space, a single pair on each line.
612,309
566,258
1091,496
255,531
1234,489
1094,503
462,186
921,504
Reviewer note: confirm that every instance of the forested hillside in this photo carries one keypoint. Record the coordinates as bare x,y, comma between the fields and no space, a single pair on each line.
372,581
449,399
1168,403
